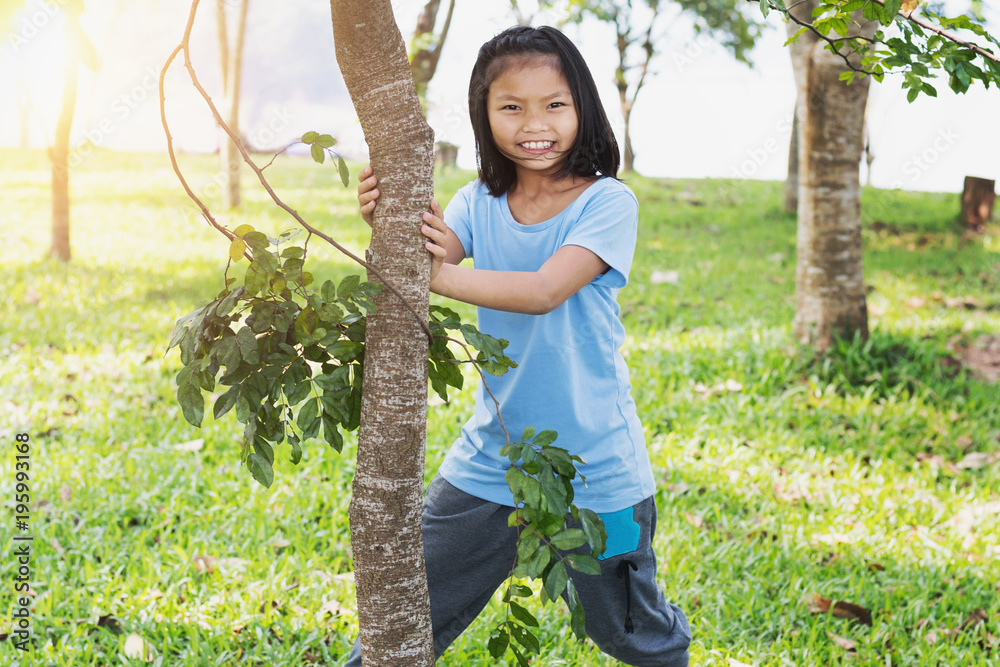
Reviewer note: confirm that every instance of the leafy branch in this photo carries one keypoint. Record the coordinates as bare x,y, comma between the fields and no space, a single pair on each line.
914,53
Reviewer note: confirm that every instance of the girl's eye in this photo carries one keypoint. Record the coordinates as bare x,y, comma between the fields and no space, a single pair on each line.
557,104
513,107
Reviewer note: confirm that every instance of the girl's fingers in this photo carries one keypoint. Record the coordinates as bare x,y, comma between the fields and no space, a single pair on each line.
435,249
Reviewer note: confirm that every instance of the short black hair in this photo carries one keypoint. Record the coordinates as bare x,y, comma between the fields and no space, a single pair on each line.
594,151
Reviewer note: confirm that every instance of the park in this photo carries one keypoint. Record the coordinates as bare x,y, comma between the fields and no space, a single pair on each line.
224,394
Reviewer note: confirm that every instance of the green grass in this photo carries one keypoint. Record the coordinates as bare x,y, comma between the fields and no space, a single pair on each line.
806,475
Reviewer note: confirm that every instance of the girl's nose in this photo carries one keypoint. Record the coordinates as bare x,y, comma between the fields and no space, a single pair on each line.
535,122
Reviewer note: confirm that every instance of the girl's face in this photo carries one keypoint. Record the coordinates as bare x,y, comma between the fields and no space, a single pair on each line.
531,114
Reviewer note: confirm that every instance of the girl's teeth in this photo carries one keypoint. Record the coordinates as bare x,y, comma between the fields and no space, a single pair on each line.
536,145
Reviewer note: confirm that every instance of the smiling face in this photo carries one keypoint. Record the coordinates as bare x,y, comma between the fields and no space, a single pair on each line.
531,113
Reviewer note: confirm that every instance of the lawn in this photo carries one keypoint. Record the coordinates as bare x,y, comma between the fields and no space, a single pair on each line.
868,475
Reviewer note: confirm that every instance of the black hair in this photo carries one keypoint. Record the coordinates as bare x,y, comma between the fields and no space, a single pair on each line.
594,151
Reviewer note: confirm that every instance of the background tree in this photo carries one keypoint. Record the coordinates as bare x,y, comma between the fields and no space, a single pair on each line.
231,63
79,50
829,279
385,511
636,41
425,48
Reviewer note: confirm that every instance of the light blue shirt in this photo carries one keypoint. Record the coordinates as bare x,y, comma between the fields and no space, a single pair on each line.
571,377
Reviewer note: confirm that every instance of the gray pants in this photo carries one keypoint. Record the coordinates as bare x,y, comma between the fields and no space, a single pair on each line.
469,551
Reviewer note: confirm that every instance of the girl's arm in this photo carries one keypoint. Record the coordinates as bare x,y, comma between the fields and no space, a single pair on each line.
528,292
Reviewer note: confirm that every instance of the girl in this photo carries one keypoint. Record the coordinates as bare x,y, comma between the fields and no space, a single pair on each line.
552,233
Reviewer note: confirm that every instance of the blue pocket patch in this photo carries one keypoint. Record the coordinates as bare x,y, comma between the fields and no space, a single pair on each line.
623,533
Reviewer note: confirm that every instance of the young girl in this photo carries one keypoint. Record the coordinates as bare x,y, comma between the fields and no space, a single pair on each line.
552,233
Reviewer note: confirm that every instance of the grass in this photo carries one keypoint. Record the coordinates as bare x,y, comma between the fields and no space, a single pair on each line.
781,474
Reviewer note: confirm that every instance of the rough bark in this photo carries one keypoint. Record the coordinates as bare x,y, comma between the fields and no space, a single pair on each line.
792,180
59,155
385,510
830,289
231,63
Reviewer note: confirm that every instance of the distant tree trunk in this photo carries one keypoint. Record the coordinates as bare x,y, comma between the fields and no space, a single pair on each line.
59,154
520,16
830,287
385,510
231,62
977,202
625,37
792,180
427,48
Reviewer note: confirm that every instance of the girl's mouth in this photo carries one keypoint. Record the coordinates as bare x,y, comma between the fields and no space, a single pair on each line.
537,147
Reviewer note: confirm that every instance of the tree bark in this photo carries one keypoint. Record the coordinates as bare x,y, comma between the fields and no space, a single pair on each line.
829,281
385,510
977,202
59,153
792,180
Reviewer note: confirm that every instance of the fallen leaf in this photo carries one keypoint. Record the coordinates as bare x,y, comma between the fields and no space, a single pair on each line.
975,461
678,489
974,619
964,442
907,7
189,446
843,643
111,623
733,385
660,277
263,606
65,494
916,302
279,543
875,311
818,604
137,648
733,662
694,519
332,607
204,564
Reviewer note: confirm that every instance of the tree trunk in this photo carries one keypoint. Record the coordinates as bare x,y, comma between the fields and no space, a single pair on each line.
385,511
829,281
59,154
231,60
977,202
427,51
628,164
792,180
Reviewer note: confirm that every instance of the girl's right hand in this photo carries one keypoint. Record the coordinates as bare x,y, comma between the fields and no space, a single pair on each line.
367,194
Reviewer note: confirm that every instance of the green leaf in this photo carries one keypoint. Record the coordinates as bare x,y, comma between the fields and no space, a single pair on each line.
584,563
519,591
310,137
242,230
892,7
308,413
296,455
255,280
256,240
524,637
522,614
521,661
325,140
318,154
593,526
348,285
545,438
260,469
345,175
527,434
571,538
294,252
498,643
225,403
247,343
192,403
577,615
555,582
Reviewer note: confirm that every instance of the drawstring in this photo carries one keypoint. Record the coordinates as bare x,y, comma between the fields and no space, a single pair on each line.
623,568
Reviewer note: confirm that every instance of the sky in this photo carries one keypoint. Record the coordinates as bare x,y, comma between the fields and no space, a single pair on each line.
701,114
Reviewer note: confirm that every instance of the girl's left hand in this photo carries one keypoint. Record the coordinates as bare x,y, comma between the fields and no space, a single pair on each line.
437,233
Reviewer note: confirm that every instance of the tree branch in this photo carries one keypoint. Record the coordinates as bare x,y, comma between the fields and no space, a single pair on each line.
184,47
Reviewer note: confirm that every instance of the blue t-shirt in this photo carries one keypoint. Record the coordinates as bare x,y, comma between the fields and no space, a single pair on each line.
571,377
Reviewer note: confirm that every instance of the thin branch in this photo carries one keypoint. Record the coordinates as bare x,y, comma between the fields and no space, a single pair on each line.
184,46
482,376
910,17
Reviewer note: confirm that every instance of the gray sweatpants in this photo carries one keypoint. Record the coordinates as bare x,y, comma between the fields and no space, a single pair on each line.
469,551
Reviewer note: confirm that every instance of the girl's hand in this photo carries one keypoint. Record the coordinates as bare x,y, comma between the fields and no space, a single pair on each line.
437,233
367,194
